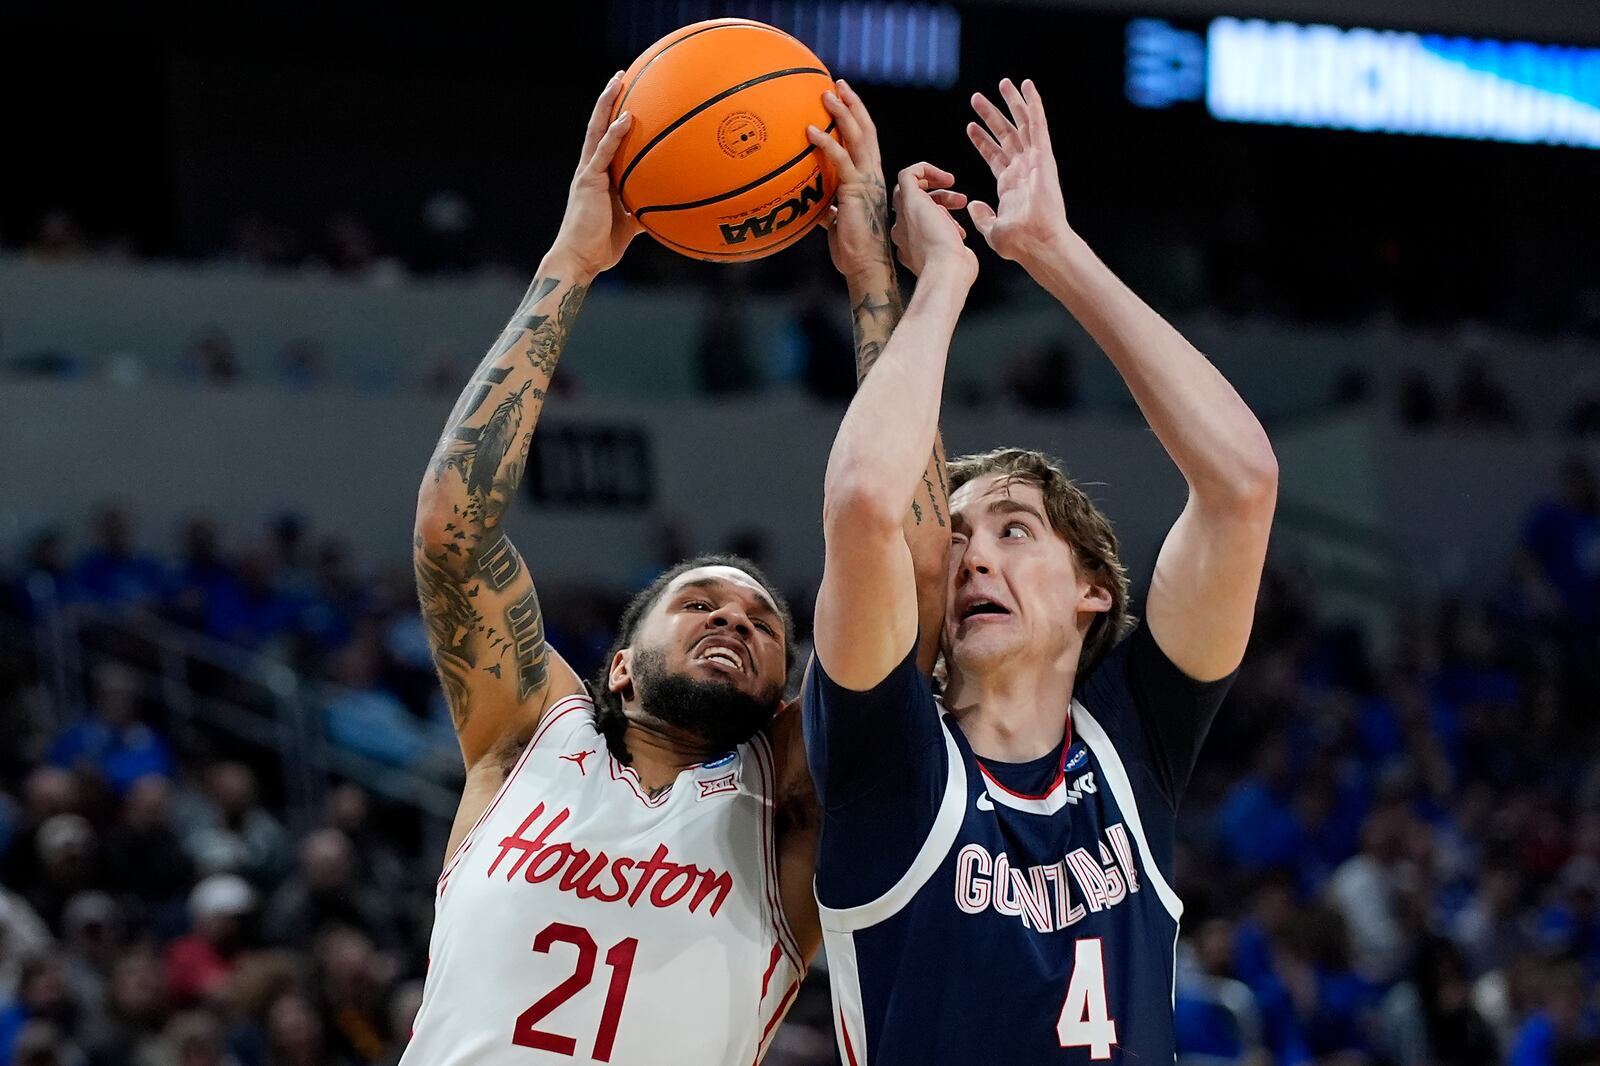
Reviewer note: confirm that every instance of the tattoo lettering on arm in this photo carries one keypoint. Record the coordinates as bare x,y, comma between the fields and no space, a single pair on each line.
526,625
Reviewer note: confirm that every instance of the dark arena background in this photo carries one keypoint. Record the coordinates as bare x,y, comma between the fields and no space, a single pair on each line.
246,265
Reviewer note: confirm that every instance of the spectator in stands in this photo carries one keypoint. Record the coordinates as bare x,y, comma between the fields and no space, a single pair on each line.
1563,534
348,808
23,936
112,743
145,851
193,1038
235,833
1429,1019
404,1003
91,935
42,580
352,980
1257,820
203,575
1366,891
200,963
366,718
253,611
295,1034
46,792
112,573
327,890
1565,1028
129,1030
42,996
69,862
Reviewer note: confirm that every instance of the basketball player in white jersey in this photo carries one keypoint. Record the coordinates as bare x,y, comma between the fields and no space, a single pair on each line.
629,876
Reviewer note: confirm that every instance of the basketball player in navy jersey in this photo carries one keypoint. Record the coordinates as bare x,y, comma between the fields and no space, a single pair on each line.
995,875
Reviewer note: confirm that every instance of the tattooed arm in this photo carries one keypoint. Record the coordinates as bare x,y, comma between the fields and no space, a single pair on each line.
478,599
858,239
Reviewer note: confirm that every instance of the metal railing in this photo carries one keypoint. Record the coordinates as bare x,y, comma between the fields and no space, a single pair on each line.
209,686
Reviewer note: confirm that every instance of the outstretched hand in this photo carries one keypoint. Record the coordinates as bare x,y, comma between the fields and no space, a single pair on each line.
596,229
858,221
1031,214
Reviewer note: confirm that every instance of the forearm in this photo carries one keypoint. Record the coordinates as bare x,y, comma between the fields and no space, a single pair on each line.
883,446
478,463
1200,419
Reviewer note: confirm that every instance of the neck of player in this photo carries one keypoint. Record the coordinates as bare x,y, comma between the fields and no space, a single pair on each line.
1014,711
661,752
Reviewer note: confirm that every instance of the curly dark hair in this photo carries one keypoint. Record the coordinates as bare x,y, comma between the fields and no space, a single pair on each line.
1077,521
609,718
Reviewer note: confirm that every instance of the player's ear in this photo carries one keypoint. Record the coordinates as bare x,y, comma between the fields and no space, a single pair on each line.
619,678
1095,599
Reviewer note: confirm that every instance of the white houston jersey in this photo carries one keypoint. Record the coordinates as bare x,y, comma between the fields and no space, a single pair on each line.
581,920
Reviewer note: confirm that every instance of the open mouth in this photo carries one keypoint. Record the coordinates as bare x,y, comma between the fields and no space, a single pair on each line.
723,657
978,608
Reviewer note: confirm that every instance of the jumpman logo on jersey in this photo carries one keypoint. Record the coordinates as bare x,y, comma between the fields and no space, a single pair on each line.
578,757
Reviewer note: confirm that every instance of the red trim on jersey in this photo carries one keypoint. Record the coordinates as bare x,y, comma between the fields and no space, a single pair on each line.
772,968
766,765
783,1008
844,1030
1056,782
556,711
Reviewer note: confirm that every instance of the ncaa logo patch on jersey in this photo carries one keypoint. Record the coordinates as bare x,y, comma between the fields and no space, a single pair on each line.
1077,759
723,761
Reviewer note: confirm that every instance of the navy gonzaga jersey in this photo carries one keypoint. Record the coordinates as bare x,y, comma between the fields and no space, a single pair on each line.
982,912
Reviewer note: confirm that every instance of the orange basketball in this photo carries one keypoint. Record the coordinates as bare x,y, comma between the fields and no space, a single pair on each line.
716,164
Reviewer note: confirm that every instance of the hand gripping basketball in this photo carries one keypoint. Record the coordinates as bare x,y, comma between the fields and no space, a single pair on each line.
595,230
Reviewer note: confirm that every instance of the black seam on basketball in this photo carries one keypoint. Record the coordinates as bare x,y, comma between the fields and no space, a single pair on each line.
692,112
734,192
701,253
750,23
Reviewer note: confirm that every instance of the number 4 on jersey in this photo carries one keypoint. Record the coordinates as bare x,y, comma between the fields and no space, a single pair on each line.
1085,1021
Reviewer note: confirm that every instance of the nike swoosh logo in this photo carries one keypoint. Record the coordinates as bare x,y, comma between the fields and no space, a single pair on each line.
984,802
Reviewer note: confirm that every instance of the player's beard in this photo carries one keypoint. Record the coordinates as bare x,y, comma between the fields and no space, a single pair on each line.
716,711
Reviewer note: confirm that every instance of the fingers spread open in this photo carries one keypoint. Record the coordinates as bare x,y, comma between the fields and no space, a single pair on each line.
1038,127
1000,126
987,148
1018,108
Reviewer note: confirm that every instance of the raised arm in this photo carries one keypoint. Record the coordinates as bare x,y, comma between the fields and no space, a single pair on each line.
1202,597
483,617
858,241
866,619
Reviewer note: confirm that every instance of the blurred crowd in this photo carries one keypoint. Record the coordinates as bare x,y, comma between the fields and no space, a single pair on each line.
1387,857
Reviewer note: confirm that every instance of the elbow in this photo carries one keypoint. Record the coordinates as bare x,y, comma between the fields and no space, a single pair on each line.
859,505
1247,486
434,512
1253,488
